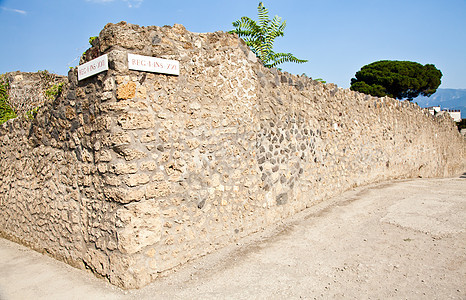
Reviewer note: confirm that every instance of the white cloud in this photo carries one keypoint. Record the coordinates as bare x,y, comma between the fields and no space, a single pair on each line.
134,3
131,3
100,1
19,11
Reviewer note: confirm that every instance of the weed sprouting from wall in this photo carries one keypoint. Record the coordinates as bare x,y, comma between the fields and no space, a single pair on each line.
6,111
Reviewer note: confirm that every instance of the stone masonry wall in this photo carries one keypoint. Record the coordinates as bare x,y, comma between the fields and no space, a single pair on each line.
29,90
132,173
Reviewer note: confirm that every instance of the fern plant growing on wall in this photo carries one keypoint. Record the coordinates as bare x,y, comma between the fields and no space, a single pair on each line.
261,35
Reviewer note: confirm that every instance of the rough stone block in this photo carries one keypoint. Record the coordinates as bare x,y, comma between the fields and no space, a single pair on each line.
123,195
142,92
141,226
148,166
137,179
119,138
111,179
124,168
109,84
148,137
136,120
157,190
104,156
129,153
126,91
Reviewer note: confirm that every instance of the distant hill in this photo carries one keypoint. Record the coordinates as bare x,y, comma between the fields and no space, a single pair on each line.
446,99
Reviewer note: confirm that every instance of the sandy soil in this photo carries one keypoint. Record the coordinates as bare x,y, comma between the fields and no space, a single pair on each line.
399,240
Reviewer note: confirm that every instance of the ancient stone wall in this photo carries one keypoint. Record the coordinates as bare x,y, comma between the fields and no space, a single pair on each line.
132,173
30,90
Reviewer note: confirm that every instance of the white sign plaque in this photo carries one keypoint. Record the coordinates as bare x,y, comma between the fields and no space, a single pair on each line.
153,64
93,67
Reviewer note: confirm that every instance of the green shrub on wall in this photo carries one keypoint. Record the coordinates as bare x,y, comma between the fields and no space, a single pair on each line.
54,90
6,111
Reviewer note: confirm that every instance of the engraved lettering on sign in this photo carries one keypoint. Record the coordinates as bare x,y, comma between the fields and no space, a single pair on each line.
93,67
153,64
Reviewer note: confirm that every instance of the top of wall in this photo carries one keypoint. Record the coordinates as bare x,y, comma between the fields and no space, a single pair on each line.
177,43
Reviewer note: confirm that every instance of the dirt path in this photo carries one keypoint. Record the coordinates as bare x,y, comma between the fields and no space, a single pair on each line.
403,240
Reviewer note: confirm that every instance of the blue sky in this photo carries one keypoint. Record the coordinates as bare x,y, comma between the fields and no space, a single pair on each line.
338,37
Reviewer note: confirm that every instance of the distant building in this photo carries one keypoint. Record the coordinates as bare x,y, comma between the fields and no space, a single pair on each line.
455,114
433,110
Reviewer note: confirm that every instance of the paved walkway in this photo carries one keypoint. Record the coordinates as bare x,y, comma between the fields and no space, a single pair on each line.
398,240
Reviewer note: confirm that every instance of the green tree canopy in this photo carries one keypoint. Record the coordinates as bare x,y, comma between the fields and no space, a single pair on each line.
260,36
397,79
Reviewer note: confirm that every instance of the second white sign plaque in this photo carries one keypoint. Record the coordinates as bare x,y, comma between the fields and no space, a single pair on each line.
153,64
